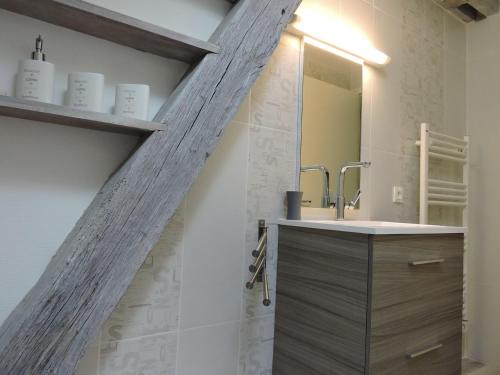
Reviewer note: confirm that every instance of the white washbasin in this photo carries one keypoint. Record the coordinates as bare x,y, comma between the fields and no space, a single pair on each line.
371,227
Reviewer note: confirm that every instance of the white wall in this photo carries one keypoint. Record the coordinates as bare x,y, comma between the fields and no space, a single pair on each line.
196,18
483,119
49,173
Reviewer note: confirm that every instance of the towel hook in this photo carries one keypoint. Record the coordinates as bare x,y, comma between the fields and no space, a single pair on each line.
258,268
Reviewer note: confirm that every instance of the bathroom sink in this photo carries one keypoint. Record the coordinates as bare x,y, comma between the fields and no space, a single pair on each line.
371,227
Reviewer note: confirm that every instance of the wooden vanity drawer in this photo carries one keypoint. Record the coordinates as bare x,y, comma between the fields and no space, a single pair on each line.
434,349
415,268
416,314
416,307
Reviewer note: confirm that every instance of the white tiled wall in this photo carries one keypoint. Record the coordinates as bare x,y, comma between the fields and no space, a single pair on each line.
421,84
483,119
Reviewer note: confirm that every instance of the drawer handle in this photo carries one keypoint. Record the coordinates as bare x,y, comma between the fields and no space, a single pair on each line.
423,352
425,262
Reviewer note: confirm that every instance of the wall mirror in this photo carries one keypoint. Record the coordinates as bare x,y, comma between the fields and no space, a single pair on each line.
330,124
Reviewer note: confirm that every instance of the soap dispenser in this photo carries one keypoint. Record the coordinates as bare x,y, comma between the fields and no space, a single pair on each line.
35,78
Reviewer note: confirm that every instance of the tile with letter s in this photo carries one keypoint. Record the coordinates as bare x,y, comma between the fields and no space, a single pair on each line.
152,355
271,172
151,303
274,96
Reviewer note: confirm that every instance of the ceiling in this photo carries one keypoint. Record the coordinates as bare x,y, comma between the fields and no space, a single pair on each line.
470,10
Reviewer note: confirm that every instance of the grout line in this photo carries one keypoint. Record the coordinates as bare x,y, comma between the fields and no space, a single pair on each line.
271,128
220,324
99,345
181,276
129,339
238,122
392,153
260,316
299,115
244,258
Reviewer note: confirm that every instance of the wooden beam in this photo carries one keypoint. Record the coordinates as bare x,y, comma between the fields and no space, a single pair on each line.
50,329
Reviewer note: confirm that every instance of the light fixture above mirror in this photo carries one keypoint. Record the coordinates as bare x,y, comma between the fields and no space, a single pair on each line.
336,37
331,49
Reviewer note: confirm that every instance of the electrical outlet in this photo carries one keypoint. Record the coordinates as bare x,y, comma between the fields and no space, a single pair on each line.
397,194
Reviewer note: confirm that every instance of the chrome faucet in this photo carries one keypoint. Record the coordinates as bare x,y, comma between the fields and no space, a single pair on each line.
340,199
325,200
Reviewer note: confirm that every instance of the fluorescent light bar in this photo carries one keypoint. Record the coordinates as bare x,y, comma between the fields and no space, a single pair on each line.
335,51
338,38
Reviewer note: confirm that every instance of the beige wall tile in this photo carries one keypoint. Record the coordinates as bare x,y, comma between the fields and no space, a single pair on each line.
153,355
209,350
393,8
151,303
214,236
256,351
434,23
359,14
274,96
243,114
89,364
454,34
484,323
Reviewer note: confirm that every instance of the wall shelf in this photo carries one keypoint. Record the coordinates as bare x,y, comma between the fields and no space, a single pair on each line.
56,114
112,26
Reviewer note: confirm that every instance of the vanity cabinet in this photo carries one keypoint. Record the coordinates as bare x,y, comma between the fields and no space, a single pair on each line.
378,304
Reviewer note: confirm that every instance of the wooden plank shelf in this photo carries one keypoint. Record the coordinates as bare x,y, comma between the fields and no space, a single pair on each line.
112,26
56,114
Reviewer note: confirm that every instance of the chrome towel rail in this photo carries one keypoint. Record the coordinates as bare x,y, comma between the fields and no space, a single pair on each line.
258,268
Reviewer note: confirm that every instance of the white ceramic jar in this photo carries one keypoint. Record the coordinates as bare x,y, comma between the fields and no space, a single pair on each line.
35,81
132,100
85,91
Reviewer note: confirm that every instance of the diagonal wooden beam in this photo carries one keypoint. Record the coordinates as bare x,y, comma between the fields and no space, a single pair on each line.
50,329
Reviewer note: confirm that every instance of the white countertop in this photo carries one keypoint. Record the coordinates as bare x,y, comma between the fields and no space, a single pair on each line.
370,227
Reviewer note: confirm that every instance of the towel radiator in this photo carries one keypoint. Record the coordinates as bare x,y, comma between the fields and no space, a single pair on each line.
440,192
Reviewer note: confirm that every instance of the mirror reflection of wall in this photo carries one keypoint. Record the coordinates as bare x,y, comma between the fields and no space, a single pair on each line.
331,122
